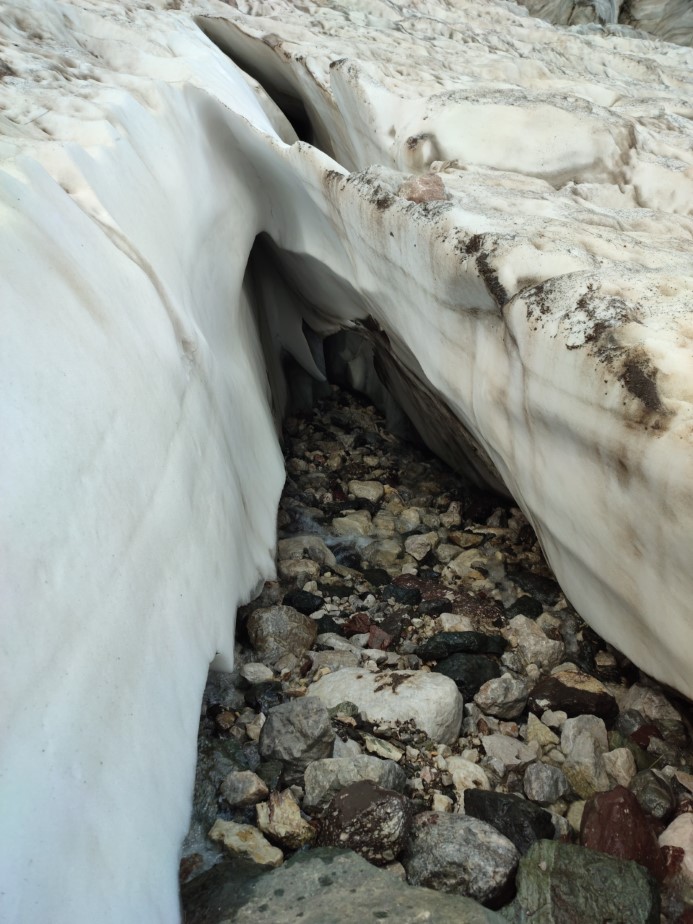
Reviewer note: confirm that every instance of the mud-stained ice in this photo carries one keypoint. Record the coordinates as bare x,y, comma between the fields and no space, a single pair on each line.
500,207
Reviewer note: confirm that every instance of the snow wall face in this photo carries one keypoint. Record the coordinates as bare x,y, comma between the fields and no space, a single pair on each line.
509,223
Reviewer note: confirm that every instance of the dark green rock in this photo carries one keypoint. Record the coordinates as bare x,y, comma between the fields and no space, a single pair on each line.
654,793
469,671
445,644
319,887
564,884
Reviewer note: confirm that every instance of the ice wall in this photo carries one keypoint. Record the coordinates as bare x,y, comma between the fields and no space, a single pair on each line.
504,209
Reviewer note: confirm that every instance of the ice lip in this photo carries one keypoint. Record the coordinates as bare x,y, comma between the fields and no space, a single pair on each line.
533,316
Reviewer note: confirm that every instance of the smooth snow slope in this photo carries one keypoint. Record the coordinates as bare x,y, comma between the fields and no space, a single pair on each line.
534,316
140,467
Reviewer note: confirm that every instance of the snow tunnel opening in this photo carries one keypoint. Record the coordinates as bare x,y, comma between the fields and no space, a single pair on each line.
296,299
269,72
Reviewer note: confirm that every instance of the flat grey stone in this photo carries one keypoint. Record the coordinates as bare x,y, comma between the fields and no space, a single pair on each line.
320,886
324,778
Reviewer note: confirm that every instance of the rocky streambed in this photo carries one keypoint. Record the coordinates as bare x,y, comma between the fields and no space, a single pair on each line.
417,707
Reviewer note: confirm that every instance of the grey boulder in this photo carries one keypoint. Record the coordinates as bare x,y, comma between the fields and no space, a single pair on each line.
455,853
318,886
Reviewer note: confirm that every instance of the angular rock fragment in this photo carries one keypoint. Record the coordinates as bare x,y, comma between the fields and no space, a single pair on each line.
297,733
679,834
653,705
545,784
246,842
278,630
504,697
242,787
654,793
584,742
456,853
614,823
530,645
281,820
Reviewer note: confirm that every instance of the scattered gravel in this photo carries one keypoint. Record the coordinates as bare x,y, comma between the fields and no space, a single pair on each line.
416,665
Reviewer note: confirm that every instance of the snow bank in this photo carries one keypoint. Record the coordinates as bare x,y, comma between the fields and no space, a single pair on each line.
533,315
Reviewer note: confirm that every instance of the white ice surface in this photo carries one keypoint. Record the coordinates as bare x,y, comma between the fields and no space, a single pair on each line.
542,309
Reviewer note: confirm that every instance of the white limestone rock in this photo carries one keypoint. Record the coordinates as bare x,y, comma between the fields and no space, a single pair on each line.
430,700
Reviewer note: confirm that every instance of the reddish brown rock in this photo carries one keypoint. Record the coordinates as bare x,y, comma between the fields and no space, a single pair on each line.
357,624
614,823
378,638
575,693
368,819
641,736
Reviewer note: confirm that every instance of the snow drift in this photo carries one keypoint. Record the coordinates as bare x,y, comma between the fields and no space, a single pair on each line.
502,209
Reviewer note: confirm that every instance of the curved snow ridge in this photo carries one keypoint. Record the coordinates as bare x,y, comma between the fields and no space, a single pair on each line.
526,288
539,290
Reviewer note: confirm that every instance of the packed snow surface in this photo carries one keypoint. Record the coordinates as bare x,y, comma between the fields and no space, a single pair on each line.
501,206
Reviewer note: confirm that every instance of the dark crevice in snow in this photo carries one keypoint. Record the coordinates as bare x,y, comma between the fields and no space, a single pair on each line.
274,79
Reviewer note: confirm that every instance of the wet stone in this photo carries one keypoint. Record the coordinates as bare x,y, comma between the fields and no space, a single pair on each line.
270,772
378,577
444,644
544,589
469,671
372,821
520,821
